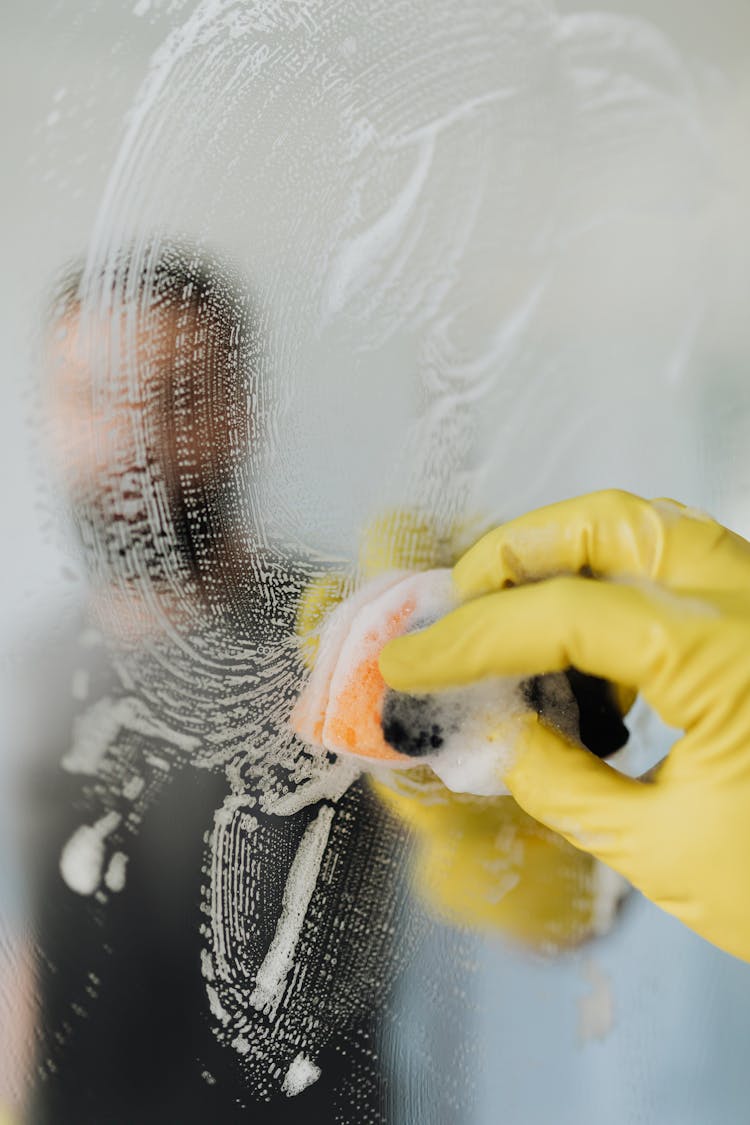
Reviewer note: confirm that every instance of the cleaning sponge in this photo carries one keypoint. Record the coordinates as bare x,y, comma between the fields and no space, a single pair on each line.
465,734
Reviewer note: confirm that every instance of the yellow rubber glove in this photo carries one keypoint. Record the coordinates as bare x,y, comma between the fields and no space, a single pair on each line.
665,608
480,862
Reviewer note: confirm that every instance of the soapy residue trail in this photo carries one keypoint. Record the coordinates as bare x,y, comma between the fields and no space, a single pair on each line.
82,859
270,979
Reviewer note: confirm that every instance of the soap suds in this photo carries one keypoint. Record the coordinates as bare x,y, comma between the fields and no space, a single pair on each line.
271,976
465,735
83,856
96,731
217,1009
207,966
114,876
302,1073
133,788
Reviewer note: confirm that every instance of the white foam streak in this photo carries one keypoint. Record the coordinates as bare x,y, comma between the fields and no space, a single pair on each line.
301,1074
361,257
82,857
271,977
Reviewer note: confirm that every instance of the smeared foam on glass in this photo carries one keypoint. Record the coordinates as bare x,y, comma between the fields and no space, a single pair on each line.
82,857
302,1073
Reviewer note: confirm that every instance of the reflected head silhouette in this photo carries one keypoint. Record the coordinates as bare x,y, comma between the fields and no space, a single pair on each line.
152,361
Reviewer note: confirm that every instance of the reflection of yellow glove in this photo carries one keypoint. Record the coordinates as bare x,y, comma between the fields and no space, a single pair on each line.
484,862
401,538
668,612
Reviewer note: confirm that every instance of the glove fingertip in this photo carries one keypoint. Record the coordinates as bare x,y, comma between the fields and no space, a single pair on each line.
397,667
470,576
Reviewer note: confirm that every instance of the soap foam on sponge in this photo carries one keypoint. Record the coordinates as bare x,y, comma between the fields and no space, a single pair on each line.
465,734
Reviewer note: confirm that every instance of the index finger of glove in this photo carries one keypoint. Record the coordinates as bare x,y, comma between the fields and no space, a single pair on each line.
609,533
618,631
613,535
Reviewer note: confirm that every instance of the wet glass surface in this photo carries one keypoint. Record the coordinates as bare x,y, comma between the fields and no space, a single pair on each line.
296,295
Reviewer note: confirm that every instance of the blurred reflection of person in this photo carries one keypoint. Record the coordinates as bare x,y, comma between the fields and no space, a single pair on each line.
152,434
151,429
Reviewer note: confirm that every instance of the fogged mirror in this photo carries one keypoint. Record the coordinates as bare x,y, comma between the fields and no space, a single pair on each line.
299,296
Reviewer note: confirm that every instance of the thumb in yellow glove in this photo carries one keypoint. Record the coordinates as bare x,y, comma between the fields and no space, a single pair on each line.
664,608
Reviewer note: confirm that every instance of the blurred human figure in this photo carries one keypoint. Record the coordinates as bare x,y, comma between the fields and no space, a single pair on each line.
152,417
151,427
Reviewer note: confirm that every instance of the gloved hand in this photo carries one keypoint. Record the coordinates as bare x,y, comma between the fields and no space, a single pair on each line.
481,862
648,594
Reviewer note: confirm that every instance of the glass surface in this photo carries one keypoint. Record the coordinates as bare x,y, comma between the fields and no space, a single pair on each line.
293,294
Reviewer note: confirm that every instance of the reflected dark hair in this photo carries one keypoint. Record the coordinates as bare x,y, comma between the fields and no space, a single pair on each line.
167,274
211,303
